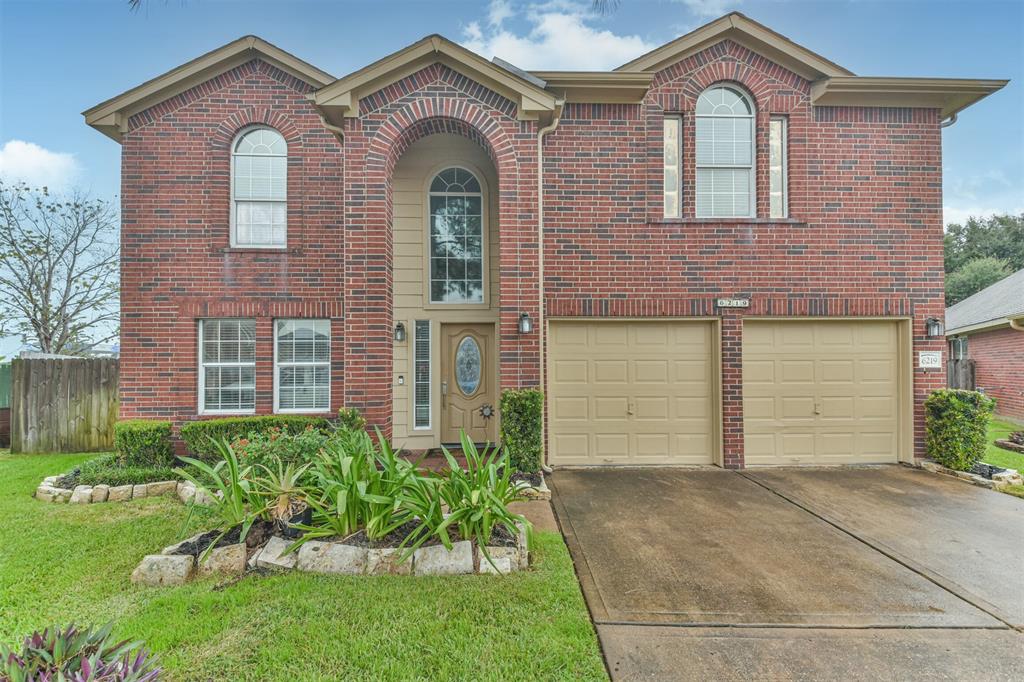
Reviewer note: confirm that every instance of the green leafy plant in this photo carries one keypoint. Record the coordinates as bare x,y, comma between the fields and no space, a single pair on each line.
522,414
78,655
350,418
273,445
476,497
282,485
201,437
955,427
233,497
144,443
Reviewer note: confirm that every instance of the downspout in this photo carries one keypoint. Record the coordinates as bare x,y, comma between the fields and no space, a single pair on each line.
338,132
1017,323
948,122
541,327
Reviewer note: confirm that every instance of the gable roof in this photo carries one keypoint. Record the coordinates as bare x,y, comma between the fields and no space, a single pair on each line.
341,98
747,32
111,117
993,306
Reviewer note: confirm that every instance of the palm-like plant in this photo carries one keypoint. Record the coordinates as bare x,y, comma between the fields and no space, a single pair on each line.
282,485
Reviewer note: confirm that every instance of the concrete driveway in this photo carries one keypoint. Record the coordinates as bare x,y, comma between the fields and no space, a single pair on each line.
843,573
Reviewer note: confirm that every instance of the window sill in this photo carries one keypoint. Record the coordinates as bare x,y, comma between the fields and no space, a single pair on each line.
267,250
728,221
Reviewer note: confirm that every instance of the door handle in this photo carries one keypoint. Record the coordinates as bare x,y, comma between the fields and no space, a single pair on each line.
444,388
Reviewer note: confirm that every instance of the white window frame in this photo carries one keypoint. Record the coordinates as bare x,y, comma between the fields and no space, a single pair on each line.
430,374
783,125
278,365
203,365
234,202
698,167
484,245
677,121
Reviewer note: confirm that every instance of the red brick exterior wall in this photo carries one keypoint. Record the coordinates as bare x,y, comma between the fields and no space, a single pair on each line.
864,237
999,368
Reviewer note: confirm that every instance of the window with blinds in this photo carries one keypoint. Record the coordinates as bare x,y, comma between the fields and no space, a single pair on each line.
421,375
259,184
672,156
724,154
227,366
302,365
778,180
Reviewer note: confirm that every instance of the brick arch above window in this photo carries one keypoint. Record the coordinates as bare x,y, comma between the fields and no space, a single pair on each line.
229,129
431,116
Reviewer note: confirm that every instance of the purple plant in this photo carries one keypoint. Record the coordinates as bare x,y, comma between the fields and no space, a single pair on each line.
77,655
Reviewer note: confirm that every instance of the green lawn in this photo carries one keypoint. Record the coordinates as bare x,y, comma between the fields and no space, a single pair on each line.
60,563
996,455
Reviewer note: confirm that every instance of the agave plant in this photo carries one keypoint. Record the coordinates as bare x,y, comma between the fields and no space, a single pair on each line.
283,487
77,655
234,499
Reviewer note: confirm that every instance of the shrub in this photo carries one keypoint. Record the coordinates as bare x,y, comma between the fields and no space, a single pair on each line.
109,470
266,448
350,418
144,443
522,413
201,437
74,654
955,426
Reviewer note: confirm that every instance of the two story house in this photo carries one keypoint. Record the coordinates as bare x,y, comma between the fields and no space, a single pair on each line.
726,251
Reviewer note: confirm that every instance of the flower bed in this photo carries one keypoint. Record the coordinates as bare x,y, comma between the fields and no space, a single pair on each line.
52,490
984,475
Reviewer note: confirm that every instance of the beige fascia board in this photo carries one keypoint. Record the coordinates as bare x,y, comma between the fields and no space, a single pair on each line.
750,34
988,325
598,87
343,95
111,116
950,95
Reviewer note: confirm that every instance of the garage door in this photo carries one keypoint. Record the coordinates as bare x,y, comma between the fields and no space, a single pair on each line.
631,392
820,392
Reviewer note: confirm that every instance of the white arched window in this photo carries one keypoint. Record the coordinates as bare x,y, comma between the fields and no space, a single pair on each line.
725,154
259,187
456,238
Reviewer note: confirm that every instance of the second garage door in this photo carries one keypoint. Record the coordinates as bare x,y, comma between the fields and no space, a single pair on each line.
631,392
821,392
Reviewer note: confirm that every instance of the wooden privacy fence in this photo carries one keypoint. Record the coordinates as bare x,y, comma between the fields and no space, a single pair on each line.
63,405
961,374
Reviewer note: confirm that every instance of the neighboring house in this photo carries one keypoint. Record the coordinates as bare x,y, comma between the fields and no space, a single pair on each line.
988,328
742,242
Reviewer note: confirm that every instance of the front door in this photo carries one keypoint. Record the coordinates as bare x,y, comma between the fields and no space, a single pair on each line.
468,391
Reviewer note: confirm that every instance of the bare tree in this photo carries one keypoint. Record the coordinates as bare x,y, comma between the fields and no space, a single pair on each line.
58,268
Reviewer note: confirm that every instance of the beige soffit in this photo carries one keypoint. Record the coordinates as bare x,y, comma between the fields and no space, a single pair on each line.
738,28
951,95
341,98
599,87
111,117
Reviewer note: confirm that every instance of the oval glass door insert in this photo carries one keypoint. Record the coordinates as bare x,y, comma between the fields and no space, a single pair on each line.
467,365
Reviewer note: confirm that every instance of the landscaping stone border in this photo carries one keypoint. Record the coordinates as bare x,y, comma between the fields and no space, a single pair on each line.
330,558
48,491
541,492
1008,477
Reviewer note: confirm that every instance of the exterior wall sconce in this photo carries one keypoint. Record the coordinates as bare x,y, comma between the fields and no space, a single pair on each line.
400,332
933,328
525,324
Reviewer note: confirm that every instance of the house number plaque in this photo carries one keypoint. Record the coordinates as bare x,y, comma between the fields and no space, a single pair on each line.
733,303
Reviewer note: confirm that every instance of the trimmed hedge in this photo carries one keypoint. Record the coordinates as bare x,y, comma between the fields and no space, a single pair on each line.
144,443
522,412
955,426
200,436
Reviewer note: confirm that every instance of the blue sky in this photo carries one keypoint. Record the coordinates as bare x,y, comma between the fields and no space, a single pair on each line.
59,58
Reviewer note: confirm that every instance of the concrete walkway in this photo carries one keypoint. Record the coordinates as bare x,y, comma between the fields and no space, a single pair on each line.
867,573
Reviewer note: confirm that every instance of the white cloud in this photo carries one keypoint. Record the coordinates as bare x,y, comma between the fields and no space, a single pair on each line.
960,214
710,8
28,162
561,35
982,194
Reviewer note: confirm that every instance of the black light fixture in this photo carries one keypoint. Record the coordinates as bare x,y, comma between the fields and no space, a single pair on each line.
933,328
525,324
400,332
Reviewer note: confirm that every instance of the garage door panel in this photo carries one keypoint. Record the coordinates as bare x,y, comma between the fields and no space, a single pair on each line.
648,392
833,402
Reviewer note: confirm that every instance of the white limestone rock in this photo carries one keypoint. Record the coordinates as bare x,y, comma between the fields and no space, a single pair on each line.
100,493
229,560
437,560
120,493
271,556
82,494
332,557
386,562
163,569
